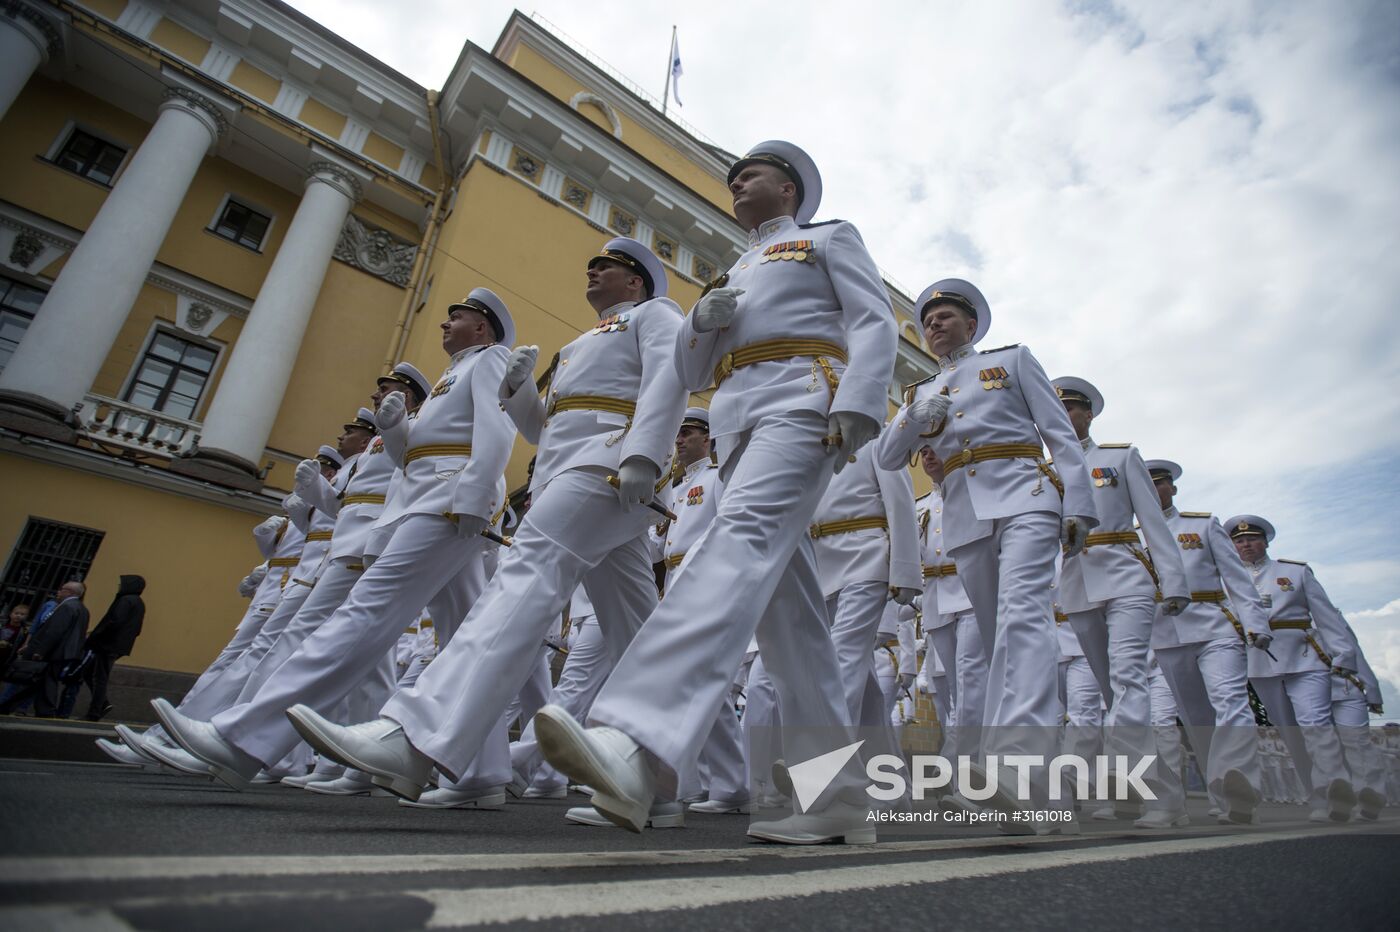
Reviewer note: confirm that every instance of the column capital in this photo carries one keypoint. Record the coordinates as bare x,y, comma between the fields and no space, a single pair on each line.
338,177
35,26
197,106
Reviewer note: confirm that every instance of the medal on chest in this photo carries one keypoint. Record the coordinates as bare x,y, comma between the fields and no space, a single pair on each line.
695,496
614,324
995,377
1105,476
1190,541
801,250
443,386
376,446
1284,584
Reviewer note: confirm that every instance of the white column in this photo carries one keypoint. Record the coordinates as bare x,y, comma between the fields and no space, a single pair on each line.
74,330
250,392
27,40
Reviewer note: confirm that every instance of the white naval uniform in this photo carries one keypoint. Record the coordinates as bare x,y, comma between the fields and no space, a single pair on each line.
1171,753
859,566
1296,689
1080,696
424,560
722,767
585,669
1352,697
1203,657
755,570
1110,592
953,635
575,530
1002,525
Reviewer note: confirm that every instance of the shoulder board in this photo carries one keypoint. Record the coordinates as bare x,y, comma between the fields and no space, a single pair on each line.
822,223
909,389
712,465
1114,446
1194,514
998,349
1295,562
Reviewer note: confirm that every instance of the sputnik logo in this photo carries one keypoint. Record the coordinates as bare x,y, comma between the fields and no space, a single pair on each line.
811,777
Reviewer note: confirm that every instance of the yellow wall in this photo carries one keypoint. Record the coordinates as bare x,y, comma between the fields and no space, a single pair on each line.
340,359
320,117
553,79
255,81
177,39
542,286
108,8
192,554
382,151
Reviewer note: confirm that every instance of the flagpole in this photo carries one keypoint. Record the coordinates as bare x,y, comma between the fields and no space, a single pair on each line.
670,57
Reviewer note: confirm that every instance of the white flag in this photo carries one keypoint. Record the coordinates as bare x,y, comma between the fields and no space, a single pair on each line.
676,70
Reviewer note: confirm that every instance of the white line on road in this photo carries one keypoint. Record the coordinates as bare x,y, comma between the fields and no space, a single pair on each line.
456,908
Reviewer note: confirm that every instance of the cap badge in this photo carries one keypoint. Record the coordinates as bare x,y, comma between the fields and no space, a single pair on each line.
1242,526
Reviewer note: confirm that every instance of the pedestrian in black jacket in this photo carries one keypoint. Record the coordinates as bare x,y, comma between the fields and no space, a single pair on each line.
58,642
111,639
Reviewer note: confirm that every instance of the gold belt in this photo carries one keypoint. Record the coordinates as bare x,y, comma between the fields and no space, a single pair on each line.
674,560
355,567
992,451
847,525
1061,618
302,582
947,569
891,644
775,350
591,403
362,500
319,535
1110,537
1212,595
1291,624
437,449
284,561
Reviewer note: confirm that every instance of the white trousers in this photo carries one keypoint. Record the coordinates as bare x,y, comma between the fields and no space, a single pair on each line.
534,693
1171,756
1115,639
425,559
575,530
960,648
584,670
243,635
1083,704
753,574
1007,577
1300,704
855,613
1353,721
1208,682
761,723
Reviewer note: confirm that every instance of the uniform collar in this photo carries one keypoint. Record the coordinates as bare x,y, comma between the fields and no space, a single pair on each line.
962,352
768,228
1088,444
617,308
696,466
463,354
1170,512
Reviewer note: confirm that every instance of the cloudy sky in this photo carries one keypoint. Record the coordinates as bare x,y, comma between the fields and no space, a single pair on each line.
1193,205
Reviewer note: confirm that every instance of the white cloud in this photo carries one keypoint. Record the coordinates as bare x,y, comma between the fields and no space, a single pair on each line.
1378,631
1192,205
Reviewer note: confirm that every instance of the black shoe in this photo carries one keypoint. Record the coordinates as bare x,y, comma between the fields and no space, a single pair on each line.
105,711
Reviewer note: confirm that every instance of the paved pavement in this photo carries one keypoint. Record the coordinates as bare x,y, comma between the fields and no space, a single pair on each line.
107,847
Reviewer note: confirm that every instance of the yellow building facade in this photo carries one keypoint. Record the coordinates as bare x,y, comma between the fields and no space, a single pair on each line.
220,222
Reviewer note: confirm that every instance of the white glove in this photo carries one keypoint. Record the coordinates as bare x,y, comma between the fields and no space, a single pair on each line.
250,583
308,471
391,411
636,482
1073,530
469,526
930,410
921,684
1261,641
716,309
1174,605
520,367
270,526
854,430
905,596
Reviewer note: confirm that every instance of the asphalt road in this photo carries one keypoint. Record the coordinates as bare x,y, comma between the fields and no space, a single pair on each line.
107,847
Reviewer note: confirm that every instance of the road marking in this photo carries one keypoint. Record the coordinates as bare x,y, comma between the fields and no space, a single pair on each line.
455,907
23,870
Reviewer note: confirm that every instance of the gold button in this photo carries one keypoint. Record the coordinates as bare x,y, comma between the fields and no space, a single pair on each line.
959,414
937,551
938,530
938,511
956,390
952,368
972,472
967,441
744,265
